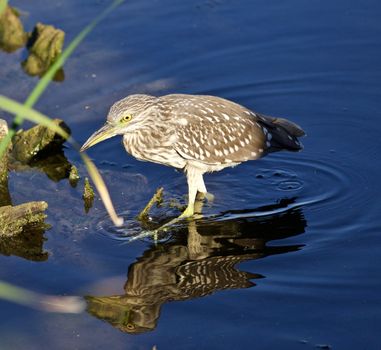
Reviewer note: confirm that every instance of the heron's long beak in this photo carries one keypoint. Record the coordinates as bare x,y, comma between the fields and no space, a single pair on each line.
105,132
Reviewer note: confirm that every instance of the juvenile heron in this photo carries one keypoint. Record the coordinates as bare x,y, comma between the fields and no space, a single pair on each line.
195,133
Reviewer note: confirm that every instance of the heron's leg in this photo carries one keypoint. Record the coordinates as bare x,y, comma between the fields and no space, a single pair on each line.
195,182
201,185
201,188
194,177
192,191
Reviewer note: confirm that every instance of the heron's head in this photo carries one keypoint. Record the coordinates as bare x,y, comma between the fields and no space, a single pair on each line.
124,116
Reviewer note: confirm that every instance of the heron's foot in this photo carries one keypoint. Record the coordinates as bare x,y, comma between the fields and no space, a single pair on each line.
169,224
188,212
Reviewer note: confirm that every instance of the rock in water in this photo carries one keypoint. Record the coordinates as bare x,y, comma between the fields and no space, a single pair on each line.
45,45
12,34
27,144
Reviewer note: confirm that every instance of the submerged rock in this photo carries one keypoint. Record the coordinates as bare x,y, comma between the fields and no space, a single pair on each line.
41,148
156,199
73,176
45,45
12,34
88,195
30,143
14,219
22,230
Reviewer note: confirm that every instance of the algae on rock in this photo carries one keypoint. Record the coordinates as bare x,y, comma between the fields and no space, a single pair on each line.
12,34
88,195
41,148
27,144
157,199
45,45
14,219
73,176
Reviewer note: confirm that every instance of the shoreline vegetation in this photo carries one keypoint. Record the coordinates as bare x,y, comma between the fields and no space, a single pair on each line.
22,226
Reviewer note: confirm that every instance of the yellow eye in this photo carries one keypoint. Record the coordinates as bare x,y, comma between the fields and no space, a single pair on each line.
126,118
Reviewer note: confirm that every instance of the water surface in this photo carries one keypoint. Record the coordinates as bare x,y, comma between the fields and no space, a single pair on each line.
287,256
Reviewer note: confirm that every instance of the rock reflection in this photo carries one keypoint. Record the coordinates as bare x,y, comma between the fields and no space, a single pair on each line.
28,244
199,260
55,166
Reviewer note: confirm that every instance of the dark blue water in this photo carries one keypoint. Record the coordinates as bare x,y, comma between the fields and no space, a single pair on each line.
287,256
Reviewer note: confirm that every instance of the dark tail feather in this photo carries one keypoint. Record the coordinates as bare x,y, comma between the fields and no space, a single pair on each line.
292,128
284,134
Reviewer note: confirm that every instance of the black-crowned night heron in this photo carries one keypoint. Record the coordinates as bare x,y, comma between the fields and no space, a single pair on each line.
195,133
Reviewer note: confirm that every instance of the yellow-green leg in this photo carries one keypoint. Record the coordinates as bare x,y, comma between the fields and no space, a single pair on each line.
195,183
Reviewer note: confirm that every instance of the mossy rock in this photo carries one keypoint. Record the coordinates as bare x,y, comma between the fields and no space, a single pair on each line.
12,34
14,219
28,144
45,45
73,176
88,195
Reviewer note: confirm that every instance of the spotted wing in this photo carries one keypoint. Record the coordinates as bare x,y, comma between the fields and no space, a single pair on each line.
216,131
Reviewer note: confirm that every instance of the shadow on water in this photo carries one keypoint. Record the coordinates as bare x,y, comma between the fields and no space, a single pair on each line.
54,165
199,259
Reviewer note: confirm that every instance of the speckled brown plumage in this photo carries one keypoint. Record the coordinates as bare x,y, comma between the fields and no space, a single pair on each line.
197,133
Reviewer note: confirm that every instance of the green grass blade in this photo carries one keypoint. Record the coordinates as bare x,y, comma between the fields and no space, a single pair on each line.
14,107
102,189
15,294
48,76
34,116
63,304
3,5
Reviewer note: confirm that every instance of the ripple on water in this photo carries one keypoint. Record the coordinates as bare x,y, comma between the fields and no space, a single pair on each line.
285,180
318,182
327,181
327,184
313,180
132,229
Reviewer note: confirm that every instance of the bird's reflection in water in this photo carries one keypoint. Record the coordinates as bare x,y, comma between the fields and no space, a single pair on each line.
199,260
